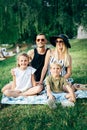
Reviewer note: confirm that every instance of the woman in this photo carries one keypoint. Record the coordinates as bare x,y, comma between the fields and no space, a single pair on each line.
61,55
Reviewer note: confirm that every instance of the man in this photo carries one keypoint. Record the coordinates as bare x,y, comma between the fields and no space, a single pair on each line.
37,55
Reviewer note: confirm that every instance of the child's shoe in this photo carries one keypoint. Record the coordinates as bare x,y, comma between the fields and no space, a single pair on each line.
67,103
51,103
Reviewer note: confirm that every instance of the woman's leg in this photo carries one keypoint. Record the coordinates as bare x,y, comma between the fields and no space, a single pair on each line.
80,86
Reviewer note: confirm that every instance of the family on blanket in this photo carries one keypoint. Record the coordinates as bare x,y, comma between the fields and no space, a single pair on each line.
44,68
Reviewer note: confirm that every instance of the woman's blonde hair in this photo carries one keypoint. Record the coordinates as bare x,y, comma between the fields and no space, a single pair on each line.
66,55
22,54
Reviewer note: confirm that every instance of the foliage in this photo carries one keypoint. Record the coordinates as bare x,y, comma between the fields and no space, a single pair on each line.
24,19
36,117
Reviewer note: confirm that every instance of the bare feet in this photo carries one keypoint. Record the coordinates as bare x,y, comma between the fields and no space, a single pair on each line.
79,86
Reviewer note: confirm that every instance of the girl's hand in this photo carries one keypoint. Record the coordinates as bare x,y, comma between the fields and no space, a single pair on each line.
39,83
12,72
51,97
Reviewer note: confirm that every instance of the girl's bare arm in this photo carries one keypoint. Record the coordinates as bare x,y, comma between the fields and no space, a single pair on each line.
33,80
14,80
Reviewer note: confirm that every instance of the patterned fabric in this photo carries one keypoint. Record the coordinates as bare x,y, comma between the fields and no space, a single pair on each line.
40,99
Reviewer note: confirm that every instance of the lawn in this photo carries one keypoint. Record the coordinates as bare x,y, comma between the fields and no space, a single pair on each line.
40,117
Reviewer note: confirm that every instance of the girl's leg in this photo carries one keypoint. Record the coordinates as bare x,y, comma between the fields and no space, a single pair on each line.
12,93
8,91
32,91
7,87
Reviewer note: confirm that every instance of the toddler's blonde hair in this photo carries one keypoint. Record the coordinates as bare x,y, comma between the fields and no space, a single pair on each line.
55,63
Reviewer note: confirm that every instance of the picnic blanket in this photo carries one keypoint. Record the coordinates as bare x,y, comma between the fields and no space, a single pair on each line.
40,99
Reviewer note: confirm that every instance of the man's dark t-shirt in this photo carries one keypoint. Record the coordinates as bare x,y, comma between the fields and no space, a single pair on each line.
38,63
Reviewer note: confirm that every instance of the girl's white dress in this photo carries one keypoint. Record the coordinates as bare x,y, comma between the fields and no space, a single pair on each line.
23,78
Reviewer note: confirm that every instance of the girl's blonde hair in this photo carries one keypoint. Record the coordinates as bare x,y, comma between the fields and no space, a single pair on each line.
66,55
22,54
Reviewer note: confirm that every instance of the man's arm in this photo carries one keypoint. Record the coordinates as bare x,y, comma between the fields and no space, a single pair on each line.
44,70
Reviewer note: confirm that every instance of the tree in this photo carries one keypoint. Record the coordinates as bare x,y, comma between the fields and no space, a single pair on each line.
24,19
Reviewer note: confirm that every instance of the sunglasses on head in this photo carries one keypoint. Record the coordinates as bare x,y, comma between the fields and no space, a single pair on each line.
61,41
42,40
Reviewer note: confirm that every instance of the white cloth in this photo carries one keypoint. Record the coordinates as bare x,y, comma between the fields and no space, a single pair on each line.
40,99
23,78
17,49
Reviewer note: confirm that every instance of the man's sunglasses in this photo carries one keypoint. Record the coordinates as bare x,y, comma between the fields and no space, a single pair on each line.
42,40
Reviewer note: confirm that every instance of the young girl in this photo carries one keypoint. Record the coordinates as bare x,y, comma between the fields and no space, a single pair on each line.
23,83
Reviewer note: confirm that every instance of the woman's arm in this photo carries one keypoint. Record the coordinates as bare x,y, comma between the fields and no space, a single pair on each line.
44,70
69,70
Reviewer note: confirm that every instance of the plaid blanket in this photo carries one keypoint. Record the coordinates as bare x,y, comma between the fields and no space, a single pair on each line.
39,99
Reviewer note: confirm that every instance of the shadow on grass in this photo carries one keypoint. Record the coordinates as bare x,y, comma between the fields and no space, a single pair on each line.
2,106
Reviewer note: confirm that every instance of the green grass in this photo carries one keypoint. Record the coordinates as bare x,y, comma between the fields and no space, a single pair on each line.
79,60
40,117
